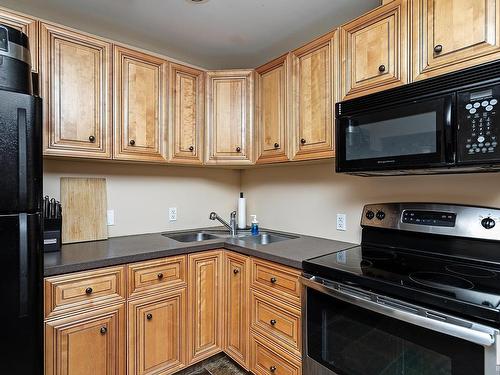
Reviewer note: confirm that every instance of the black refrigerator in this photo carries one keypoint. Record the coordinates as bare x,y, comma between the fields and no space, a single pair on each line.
21,255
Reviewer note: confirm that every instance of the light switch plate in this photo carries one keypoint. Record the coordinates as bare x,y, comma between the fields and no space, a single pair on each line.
172,214
341,222
111,217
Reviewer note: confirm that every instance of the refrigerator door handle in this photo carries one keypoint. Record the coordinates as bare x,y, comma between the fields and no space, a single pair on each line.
23,265
22,126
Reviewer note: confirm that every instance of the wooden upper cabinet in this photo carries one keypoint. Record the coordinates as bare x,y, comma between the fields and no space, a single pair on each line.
76,92
374,50
449,35
140,90
186,115
229,133
314,92
271,113
27,25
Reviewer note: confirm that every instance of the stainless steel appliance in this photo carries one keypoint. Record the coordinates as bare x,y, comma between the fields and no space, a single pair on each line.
446,124
20,210
420,295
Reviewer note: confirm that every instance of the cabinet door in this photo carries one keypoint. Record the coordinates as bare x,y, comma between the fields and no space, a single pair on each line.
27,25
205,305
313,98
236,302
375,50
140,106
230,117
76,91
272,111
186,115
91,343
156,334
449,35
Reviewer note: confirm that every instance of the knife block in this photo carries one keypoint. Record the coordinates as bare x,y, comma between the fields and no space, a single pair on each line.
52,235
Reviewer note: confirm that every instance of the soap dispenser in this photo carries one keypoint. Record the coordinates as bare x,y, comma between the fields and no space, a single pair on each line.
255,225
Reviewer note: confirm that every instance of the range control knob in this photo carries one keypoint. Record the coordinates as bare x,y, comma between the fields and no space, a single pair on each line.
488,223
370,214
380,215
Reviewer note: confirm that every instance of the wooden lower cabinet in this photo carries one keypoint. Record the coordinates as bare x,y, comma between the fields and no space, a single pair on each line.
268,359
89,343
156,334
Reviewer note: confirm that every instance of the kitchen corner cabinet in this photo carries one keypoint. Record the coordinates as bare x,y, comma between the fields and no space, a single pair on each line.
187,117
314,92
449,35
271,113
27,25
236,306
140,109
88,343
76,91
229,135
374,50
204,305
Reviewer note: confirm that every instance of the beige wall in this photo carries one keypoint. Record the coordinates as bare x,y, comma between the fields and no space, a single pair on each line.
305,199
142,194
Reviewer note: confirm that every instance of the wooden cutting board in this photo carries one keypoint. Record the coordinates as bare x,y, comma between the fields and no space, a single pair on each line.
84,209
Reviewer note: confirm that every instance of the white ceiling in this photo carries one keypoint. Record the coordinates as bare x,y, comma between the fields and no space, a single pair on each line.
214,34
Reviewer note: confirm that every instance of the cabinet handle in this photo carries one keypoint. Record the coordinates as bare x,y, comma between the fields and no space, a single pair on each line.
238,149
276,145
88,291
236,271
381,68
273,280
191,148
272,368
273,322
160,276
438,48
303,141
92,139
132,142
104,330
149,316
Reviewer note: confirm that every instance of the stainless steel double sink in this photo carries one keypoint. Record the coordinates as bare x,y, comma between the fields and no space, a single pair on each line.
264,238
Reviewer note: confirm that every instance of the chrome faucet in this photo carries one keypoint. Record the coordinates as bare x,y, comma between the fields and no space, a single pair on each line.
232,223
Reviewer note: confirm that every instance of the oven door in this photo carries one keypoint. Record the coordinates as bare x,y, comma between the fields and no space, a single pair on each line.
348,331
413,135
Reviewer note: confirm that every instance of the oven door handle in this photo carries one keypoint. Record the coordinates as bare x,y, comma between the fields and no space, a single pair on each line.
475,333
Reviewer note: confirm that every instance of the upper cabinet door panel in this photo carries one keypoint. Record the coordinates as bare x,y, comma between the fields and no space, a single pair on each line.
271,111
313,98
453,34
374,50
186,114
140,106
76,88
27,25
230,103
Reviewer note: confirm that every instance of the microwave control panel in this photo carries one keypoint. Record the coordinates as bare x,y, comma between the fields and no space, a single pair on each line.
478,128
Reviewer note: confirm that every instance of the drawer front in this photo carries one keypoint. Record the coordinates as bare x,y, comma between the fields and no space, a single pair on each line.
277,321
267,359
79,291
278,280
156,275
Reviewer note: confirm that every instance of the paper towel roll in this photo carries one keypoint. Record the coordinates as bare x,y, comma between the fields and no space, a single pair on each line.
242,212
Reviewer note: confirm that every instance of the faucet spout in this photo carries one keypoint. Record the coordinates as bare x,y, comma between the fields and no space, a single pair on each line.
231,227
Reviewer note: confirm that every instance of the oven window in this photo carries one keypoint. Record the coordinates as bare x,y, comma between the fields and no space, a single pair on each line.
351,340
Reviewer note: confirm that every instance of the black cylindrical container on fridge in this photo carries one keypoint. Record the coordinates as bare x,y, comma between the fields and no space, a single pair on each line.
15,61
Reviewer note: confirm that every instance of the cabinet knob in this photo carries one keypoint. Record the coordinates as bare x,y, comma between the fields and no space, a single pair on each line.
132,142
273,280
88,291
381,68
438,48
160,276
272,368
236,271
104,330
238,149
273,322
303,141
149,316
191,148
276,145
92,139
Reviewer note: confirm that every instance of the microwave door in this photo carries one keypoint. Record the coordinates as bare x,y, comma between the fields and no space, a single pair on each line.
412,135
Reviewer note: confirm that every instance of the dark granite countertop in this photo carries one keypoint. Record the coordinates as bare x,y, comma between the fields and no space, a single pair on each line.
129,249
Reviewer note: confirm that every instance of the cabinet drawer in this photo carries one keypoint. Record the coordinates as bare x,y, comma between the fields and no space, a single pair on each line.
276,320
156,275
278,280
267,359
79,291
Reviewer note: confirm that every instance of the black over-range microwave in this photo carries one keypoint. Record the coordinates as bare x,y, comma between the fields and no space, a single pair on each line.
447,124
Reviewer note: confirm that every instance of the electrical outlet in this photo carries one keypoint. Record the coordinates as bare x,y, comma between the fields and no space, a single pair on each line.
341,222
111,217
172,214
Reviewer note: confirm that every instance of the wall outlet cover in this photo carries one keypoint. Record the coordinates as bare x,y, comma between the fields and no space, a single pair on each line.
111,217
172,214
341,222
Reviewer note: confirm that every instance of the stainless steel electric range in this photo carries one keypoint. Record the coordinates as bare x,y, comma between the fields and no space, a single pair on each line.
419,296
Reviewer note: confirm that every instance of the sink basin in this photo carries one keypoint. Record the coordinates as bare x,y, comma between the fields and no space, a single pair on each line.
191,237
266,238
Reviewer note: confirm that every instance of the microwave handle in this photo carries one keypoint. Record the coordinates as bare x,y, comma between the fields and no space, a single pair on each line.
448,129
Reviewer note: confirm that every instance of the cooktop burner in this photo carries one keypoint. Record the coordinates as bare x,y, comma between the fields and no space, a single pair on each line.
440,280
465,270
